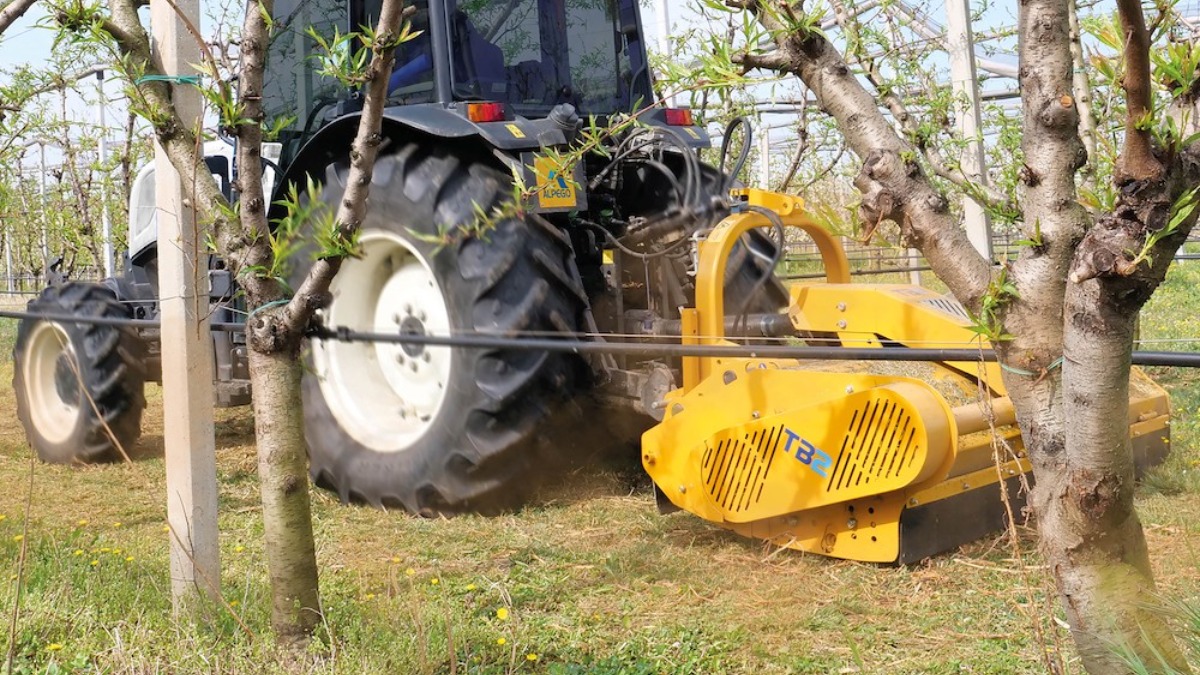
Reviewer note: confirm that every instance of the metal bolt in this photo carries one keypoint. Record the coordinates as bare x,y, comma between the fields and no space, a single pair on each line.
841,306
792,521
755,414
852,523
849,389
913,502
966,485
682,489
842,323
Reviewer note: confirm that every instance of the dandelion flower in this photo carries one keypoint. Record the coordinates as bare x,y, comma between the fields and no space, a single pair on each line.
18,537
410,571
434,581
239,548
117,524
128,558
82,522
95,562
53,647
233,603
370,596
471,587
501,641
166,528
395,559
531,657
116,551
502,614
3,517
77,552
105,550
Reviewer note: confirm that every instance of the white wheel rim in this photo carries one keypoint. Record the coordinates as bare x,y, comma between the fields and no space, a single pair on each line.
385,396
52,416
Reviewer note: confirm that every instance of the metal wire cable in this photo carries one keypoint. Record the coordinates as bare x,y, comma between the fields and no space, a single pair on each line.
480,340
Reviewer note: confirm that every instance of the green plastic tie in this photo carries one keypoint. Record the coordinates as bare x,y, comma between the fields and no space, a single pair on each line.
193,80
266,305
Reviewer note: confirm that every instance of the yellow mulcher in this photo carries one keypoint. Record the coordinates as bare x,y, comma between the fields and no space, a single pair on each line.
895,463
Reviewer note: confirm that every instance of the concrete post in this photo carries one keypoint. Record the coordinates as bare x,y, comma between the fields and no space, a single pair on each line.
764,155
45,211
187,344
105,220
961,44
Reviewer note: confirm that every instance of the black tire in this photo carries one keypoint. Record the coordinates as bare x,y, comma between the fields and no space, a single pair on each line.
482,448
79,387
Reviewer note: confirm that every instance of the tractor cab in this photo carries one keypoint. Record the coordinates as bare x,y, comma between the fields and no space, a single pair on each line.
523,56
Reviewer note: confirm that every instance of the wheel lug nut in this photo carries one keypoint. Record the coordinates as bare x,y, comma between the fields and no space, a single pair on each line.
414,366
400,359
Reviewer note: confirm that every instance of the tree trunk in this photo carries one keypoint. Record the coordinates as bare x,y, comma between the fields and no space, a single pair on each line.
283,479
1091,537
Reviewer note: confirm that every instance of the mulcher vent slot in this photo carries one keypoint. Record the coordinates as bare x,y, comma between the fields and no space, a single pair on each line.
735,470
880,443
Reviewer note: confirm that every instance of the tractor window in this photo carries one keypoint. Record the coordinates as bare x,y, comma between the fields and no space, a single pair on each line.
534,54
412,74
291,86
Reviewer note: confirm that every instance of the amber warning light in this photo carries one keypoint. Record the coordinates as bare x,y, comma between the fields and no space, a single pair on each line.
679,117
485,112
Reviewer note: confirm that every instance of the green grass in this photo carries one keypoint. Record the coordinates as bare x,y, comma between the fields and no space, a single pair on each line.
593,580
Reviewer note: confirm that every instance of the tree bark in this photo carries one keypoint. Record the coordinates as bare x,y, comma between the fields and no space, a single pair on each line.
13,11
283,479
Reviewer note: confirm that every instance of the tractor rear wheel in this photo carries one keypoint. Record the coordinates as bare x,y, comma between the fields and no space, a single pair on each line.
79,386
441,430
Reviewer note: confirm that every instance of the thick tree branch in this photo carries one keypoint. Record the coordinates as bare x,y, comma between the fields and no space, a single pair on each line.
893,186
749,61
1137,157
264,337
13,11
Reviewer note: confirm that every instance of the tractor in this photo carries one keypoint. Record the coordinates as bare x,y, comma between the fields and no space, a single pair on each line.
475,102
639,241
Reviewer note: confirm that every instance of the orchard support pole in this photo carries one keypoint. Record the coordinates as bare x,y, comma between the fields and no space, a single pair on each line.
187,345
967,105
105,220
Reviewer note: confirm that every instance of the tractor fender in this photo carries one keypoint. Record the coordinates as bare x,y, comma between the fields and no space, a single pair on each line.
432,121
